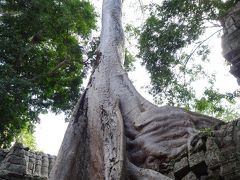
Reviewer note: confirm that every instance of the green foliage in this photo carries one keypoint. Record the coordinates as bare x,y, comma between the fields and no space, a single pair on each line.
130,32
206,132
27,138
129,60
91,54
171,29
41,64
223,6
217,104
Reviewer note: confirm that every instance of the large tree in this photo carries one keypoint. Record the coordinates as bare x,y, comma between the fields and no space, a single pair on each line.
114,132
41,64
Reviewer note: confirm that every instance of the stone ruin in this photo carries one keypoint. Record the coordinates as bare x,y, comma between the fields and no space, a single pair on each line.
19,163
213,154
231,39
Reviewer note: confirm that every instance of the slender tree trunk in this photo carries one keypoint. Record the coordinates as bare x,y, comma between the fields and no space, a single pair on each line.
114,133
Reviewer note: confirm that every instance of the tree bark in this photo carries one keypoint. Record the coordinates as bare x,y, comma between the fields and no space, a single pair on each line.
114,132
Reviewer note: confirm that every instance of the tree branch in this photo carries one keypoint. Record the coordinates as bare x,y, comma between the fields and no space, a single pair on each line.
194,50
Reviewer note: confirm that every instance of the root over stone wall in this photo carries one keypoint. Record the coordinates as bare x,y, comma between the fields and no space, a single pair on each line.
213,154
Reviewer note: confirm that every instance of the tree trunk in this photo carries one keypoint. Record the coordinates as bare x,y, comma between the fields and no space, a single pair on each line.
114,132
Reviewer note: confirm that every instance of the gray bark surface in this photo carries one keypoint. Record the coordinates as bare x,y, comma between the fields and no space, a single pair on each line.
114,132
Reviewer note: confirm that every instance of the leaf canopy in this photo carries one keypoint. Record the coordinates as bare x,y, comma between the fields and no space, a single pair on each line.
41,64
172,28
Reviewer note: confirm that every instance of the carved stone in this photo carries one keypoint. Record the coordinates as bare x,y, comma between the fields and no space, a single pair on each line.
231,40
20,163
215,157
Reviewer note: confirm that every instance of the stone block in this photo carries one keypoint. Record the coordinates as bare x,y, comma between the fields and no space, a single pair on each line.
27,158
38,162
37,171
21,164
44,172
228,168
197,163
212,155
197,158
183,163
181,168
232,176
214,173
230,24
16,160
30,166
190,176
17,169
17,152
39,156
228,154
227,140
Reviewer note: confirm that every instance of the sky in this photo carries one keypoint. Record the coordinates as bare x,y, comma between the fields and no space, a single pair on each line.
49,133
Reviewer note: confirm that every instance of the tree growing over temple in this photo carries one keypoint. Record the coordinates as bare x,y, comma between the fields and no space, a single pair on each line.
114,132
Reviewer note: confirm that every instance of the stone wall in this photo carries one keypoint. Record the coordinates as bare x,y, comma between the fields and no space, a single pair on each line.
211,155
20,163
231,40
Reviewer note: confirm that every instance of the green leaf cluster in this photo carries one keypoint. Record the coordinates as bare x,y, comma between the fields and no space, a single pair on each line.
208,132
170,30
129,61
217,104
41,64
26,138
